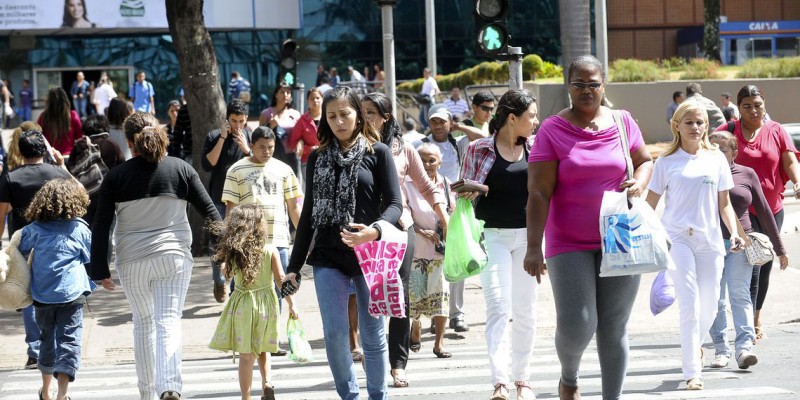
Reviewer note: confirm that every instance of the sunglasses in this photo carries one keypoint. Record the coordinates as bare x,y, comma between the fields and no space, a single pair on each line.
593,86
486,108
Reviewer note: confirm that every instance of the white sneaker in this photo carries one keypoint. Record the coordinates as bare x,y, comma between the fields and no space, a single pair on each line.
746,358
720,361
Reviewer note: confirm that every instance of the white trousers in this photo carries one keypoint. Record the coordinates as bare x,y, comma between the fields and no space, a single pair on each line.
156,290
697,274
510,293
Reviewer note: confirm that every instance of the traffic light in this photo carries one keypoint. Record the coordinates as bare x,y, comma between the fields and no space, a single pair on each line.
288,67
490,27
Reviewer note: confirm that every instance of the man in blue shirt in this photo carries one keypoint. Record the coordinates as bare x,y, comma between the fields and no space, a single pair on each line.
142,93
25,101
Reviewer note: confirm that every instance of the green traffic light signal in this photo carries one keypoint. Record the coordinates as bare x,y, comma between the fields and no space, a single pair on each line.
289,78
492,38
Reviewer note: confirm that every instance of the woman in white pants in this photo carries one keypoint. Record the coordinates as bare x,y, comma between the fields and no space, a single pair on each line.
694,178
500,162
148,195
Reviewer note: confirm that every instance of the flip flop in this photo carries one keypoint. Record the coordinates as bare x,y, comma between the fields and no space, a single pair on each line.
399,382
442,353
415,346
357,355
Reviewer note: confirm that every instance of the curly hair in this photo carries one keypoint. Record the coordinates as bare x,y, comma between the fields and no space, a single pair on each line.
58,199
241,242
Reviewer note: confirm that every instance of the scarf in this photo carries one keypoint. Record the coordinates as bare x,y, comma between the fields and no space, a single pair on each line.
335,181
392,137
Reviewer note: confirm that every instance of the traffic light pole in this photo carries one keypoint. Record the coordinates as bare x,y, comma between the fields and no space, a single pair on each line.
387,22
515,67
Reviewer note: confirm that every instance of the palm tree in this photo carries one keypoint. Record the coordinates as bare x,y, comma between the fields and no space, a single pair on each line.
573,17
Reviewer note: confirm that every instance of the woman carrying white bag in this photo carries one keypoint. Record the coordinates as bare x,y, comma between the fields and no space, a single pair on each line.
694,178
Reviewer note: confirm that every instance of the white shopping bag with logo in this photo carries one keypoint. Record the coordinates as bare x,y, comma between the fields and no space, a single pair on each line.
632,237
380,262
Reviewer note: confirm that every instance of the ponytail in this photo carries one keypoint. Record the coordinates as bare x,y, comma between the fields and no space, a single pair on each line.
149,139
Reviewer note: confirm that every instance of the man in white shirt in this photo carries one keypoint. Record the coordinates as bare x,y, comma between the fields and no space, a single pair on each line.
103,95
429,91
727,104
411,135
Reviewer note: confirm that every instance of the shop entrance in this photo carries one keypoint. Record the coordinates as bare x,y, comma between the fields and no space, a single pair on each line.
46,78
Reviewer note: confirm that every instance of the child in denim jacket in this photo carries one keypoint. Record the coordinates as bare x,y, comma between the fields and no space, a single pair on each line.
60,242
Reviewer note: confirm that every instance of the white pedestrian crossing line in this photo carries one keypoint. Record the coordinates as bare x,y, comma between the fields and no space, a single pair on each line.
467,372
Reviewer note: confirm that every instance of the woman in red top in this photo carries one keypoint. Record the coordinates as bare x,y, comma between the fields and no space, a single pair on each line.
766,147
60,125
304,135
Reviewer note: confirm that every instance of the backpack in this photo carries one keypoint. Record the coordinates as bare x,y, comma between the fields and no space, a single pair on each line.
89,169
244,90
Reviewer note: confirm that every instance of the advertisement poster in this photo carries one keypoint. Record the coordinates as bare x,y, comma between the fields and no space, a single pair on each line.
72,16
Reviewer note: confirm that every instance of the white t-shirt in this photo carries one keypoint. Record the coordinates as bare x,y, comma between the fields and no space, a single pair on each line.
450,167
414,138
103,96
690,184
428,87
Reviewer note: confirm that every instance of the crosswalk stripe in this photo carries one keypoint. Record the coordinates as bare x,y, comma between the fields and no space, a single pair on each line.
467,372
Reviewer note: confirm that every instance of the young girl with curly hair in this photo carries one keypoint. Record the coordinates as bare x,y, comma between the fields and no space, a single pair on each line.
60,242
249,321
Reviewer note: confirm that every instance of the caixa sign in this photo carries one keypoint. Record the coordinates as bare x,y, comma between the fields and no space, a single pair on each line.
764,26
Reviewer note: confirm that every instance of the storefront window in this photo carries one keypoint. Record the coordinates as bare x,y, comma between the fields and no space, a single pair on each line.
788,46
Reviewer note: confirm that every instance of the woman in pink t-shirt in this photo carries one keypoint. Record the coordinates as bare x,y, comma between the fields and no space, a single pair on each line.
60,125
577,155
766,147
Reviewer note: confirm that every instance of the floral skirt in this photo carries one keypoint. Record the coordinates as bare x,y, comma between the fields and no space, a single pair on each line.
428,292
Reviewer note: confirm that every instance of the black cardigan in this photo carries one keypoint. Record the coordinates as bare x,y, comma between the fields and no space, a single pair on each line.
378,197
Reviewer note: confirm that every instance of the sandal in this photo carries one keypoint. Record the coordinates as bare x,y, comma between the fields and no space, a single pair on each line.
442,353
358,355
269,392
498,392
521,393
415,346
760,335
399,382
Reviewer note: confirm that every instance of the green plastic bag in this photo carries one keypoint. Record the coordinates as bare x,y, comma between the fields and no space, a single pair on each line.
299,348
466,254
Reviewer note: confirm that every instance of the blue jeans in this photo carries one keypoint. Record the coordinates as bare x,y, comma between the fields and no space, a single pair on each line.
736,277
80,107
31,331
61,328
24,113
332,294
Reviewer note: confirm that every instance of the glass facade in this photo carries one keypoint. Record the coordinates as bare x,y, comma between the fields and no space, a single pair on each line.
334,32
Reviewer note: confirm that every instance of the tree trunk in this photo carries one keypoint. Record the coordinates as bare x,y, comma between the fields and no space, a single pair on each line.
201,83
711,30
573,18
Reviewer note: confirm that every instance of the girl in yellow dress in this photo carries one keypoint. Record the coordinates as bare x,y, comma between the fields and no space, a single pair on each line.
249,322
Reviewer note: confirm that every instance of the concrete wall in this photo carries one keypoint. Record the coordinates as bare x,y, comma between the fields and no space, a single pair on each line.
648,102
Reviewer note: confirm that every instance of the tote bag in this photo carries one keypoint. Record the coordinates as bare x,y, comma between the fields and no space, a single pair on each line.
632,237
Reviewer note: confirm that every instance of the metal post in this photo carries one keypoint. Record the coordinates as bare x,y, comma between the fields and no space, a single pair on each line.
430,35
301,96
515,67
387,22
601,31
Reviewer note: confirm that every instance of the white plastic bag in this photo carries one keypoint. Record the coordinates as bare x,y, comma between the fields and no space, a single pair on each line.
633,239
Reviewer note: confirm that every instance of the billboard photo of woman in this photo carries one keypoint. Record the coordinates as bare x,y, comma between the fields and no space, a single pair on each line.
75,15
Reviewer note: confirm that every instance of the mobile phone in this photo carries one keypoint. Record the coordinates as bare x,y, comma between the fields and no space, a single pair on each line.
288,289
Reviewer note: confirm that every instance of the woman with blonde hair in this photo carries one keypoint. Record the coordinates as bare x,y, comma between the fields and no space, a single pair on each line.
61,125
14,158
695,179
148,195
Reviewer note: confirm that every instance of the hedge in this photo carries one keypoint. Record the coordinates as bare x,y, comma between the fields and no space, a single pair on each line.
700,68
787,67
631,70
488,72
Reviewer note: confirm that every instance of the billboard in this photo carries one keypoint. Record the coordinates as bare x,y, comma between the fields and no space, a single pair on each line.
89,16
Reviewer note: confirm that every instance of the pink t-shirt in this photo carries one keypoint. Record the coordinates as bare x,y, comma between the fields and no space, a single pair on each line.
763,155
589,163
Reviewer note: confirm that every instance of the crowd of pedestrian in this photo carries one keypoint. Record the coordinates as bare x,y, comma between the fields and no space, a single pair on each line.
306,189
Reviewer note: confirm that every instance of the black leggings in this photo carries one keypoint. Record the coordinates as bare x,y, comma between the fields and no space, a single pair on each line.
760,282
400,328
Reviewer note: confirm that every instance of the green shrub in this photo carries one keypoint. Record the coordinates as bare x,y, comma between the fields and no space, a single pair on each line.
788,67
631,70
550,70
700,68
673,63
532,66
485,72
